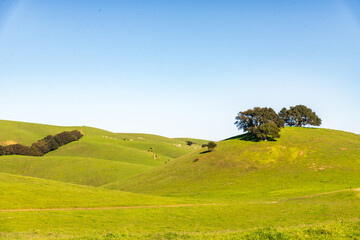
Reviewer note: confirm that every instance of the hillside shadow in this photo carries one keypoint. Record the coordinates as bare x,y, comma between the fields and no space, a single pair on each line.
248,137
207,151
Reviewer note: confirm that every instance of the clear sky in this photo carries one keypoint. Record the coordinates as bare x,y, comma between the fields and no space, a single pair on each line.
178,68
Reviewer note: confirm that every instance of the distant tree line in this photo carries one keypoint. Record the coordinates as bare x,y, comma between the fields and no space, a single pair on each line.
43,146
265,123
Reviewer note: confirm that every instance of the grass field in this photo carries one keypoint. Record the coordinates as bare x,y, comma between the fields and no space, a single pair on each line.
326,216
140,186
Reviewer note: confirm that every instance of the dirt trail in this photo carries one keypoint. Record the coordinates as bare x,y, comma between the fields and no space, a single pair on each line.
172,206
320,194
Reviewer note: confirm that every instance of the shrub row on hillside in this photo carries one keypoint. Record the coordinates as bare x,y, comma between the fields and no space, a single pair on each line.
43,146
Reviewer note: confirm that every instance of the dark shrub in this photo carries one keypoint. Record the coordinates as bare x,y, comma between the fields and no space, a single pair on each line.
67,137
16,149
53,144
43,146
77,134
211,145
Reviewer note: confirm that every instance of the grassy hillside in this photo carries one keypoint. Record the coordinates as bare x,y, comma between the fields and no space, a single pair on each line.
241,190
100,157
79,170
302,161
130,148
18,192
27,133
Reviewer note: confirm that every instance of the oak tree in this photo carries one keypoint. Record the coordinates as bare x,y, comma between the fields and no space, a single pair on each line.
300,116
263,123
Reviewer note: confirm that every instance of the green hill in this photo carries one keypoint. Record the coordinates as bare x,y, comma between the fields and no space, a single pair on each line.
20,192
294,188
303,161
100,157
79,170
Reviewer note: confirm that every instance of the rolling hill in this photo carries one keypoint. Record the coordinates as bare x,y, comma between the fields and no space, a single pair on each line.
302,161
99,158
19,192
141,186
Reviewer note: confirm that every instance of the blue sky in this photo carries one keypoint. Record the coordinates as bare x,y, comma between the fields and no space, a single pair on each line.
177,68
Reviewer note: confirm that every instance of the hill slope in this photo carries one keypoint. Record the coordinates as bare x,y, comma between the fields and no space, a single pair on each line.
301,162
100,157
242,178
20,192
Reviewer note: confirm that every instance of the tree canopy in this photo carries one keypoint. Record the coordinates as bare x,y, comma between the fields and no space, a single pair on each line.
266,130
211,145
300,116
260,122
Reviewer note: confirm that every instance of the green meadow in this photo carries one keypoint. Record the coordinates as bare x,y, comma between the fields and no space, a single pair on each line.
304,185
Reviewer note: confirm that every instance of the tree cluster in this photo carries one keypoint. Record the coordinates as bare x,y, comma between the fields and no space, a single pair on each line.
299,115
43,146
265,123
